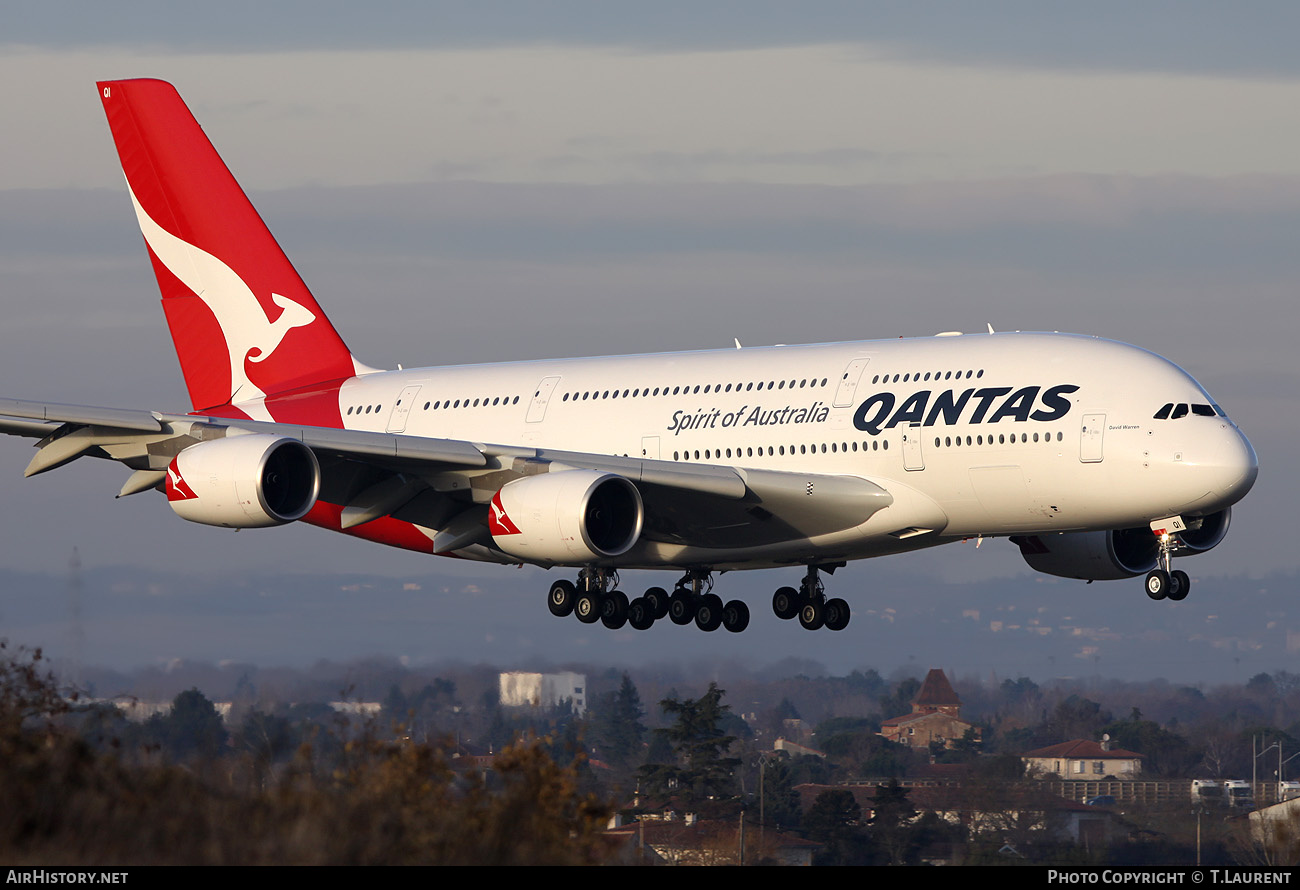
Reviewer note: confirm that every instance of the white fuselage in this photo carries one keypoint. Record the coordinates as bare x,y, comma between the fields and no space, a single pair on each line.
986,434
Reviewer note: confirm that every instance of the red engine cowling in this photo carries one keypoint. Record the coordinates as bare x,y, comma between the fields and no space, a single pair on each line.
570,517
252,481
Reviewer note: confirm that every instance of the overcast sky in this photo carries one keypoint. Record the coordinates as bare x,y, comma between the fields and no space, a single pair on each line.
463,182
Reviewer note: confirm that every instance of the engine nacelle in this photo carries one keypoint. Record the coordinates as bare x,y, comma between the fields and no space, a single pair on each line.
1091,556
568,517
252,481
1207,535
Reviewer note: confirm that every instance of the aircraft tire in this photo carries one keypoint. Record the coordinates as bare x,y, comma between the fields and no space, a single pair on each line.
735,616
1179,585
613,609
641,613
681,607
812,615
658,599
1157,584
837,614
708,615
587,607
785,603
561,598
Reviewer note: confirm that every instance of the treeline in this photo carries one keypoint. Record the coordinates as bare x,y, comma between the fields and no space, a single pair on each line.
81,788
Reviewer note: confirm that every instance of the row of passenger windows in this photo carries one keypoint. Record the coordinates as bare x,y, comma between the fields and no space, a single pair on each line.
448,403
1173,412
1003,439
780,450
929,375
848,447
466,403
689,390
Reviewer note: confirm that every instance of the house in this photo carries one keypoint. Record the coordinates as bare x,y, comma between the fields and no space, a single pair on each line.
935,717
1083,759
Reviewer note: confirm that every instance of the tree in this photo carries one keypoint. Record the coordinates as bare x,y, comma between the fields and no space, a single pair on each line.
191,729
891,823
835,820
618,727
700,768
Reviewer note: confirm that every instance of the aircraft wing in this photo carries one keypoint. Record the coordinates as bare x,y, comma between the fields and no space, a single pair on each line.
447,483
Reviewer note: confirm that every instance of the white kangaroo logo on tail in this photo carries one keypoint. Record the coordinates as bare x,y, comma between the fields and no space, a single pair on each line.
249,333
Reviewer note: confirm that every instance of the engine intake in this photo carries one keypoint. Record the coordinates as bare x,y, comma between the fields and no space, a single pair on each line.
1207,535
570,517
253,481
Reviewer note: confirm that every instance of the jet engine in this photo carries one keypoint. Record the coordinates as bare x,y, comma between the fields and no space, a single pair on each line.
1091,556
252,481
1207,535
568,517
1122,553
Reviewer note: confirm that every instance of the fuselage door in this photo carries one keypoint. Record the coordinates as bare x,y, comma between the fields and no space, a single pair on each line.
912,457
402,408
1090,437
650,447
849,382
541,398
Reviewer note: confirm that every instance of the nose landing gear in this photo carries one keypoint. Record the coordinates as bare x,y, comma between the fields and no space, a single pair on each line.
1162,582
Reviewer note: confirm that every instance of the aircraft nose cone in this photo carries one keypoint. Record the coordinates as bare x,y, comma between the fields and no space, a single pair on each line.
1236,466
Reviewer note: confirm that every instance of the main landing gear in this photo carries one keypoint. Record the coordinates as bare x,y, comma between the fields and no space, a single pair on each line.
1163,583
810,604
591,599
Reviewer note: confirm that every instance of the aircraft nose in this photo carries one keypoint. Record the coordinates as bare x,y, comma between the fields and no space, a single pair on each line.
1234,467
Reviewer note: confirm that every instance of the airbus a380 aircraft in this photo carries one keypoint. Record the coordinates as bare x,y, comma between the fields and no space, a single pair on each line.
1100,460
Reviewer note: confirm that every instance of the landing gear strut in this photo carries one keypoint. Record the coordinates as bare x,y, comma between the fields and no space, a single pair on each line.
693,599
810,604
1161,582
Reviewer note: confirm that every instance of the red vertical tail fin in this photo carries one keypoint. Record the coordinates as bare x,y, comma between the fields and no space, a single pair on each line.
243,322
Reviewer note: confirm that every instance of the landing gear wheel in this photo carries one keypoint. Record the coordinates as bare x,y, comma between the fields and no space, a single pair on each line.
708,614
1179,585
641,613
785,603
812,614
587,607
735,616
658,599
1158,584
681,606
613,609
561,598
837,614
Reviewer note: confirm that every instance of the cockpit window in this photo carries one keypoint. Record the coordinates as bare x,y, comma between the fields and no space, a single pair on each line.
1163,413
1180,410
1203,410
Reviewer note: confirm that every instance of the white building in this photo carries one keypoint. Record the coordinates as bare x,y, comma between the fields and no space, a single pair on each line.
520,689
